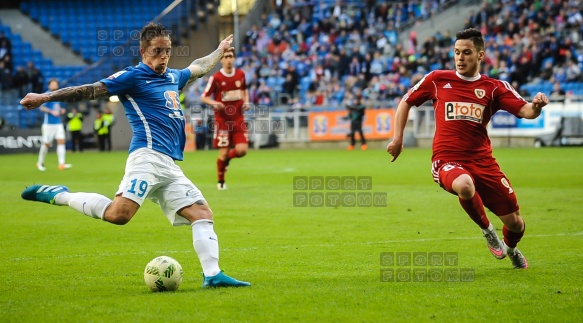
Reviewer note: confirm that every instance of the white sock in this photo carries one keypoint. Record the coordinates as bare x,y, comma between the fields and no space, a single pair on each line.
61,154
90,204
42,154
206,245
490,228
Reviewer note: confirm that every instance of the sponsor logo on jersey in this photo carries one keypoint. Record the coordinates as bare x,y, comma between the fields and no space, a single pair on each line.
464,111
320,125
383,123
447,86
480,93
233,95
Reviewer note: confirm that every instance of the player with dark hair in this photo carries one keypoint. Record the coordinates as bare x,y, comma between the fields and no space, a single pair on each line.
230,99
149,94
464,101
52,129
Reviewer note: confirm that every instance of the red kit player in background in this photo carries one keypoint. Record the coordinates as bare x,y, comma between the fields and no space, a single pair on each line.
464,101
230,99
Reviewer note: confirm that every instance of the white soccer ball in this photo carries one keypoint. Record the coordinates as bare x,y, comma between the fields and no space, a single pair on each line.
163,274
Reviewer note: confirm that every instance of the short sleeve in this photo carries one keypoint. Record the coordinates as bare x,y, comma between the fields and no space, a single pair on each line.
183,77
508,99
119,83
209,89
421,92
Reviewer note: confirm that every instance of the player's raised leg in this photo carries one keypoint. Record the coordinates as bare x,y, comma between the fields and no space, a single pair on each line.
90,204
457,180
513,231
206,245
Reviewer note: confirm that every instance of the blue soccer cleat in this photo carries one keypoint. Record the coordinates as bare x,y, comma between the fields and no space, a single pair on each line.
222,280
43,193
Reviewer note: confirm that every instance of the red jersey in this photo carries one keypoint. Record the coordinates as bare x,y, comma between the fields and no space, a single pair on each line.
229,90
463,107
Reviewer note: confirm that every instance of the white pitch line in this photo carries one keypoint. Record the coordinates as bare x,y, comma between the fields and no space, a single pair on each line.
324,245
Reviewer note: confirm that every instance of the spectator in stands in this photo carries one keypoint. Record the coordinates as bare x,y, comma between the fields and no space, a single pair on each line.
5,42
5,78
573,72
20,81
4,48
35,78
558,94
8,62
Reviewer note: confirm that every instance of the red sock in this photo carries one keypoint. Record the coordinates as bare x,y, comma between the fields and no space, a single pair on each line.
232,154
511,239
475,209
221,170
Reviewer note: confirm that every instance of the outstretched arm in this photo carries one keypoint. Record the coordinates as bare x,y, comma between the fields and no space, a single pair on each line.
201,66
85,92
533,110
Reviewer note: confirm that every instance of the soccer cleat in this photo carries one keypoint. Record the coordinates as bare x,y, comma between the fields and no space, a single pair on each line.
65,166
496,246
351,147
221,186
222,280
518,260
363,147
43,193
40,167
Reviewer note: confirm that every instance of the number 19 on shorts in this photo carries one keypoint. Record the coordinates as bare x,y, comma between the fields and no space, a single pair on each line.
138,187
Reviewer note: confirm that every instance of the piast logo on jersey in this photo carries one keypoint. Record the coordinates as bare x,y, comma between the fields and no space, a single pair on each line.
464,111
480,93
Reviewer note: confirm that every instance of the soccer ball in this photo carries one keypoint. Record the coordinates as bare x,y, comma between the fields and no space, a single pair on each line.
163,274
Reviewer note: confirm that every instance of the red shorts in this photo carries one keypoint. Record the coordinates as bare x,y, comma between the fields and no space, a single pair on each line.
229,133
494,188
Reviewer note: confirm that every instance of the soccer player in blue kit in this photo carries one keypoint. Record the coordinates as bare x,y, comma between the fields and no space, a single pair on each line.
149,94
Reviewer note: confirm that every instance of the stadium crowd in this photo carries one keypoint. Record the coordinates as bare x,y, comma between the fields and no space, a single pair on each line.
312,53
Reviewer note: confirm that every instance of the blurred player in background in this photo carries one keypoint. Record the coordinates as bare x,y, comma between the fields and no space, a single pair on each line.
149,94
464,101
52,129
229,99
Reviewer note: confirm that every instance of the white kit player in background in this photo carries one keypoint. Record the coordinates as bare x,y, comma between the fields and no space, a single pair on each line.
52,129
149,93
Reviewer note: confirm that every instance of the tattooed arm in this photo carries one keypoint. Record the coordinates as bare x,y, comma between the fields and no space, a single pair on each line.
201,66
85,92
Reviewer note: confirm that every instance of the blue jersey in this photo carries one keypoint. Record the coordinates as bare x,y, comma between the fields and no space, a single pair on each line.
152,106
48,117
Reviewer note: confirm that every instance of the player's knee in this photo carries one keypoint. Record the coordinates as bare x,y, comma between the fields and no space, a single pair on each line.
241,152
513,222
119,216
464,187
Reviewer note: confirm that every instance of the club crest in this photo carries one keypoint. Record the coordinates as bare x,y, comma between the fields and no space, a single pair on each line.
480,93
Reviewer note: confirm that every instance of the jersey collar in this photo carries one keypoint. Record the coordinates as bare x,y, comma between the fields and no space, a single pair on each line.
151,71
225,73
465,78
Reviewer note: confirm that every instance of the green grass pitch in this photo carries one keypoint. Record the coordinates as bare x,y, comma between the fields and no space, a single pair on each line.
307,264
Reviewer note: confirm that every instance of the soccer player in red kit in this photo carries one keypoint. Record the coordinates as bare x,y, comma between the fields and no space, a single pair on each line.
230,100
464,101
